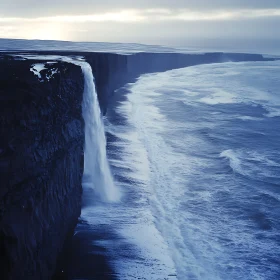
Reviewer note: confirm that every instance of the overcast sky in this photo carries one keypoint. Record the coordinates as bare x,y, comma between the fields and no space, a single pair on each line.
169,22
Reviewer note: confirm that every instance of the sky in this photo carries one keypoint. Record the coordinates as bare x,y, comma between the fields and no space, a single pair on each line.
164,22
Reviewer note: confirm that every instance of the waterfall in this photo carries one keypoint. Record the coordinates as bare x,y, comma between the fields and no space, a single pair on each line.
97,174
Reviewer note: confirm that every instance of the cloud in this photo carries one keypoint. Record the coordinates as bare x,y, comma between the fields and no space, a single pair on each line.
50,8
145,21
153,15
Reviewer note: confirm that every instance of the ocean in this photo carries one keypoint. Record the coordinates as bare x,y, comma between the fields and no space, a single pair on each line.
195,153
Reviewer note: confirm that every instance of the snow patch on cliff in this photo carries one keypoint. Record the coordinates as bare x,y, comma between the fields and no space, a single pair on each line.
39,67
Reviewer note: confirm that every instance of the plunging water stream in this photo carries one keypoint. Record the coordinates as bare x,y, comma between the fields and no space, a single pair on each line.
97,174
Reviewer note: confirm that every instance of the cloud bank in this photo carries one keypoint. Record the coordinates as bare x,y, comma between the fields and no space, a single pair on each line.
180,22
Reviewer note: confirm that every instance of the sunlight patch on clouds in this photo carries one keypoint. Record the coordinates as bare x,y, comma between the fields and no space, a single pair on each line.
122,16
40,30
188,15
158,11
48,32
7,31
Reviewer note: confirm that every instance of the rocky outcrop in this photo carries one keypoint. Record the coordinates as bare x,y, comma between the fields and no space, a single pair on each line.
41,164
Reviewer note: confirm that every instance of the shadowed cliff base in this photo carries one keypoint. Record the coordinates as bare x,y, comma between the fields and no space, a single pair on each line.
82,259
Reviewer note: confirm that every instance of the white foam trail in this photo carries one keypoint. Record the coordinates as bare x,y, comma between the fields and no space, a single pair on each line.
272,112
234,161
97,174
249,118
164,174
219,97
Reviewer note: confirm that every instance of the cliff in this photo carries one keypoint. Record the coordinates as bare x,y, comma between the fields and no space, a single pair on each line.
41,147
111,71
41,159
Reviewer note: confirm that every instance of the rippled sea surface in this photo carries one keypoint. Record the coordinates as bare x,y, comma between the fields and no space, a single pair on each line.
196,154
52,45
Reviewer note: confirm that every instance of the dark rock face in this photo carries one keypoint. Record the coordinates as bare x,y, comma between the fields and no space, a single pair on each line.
41,165
110,73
